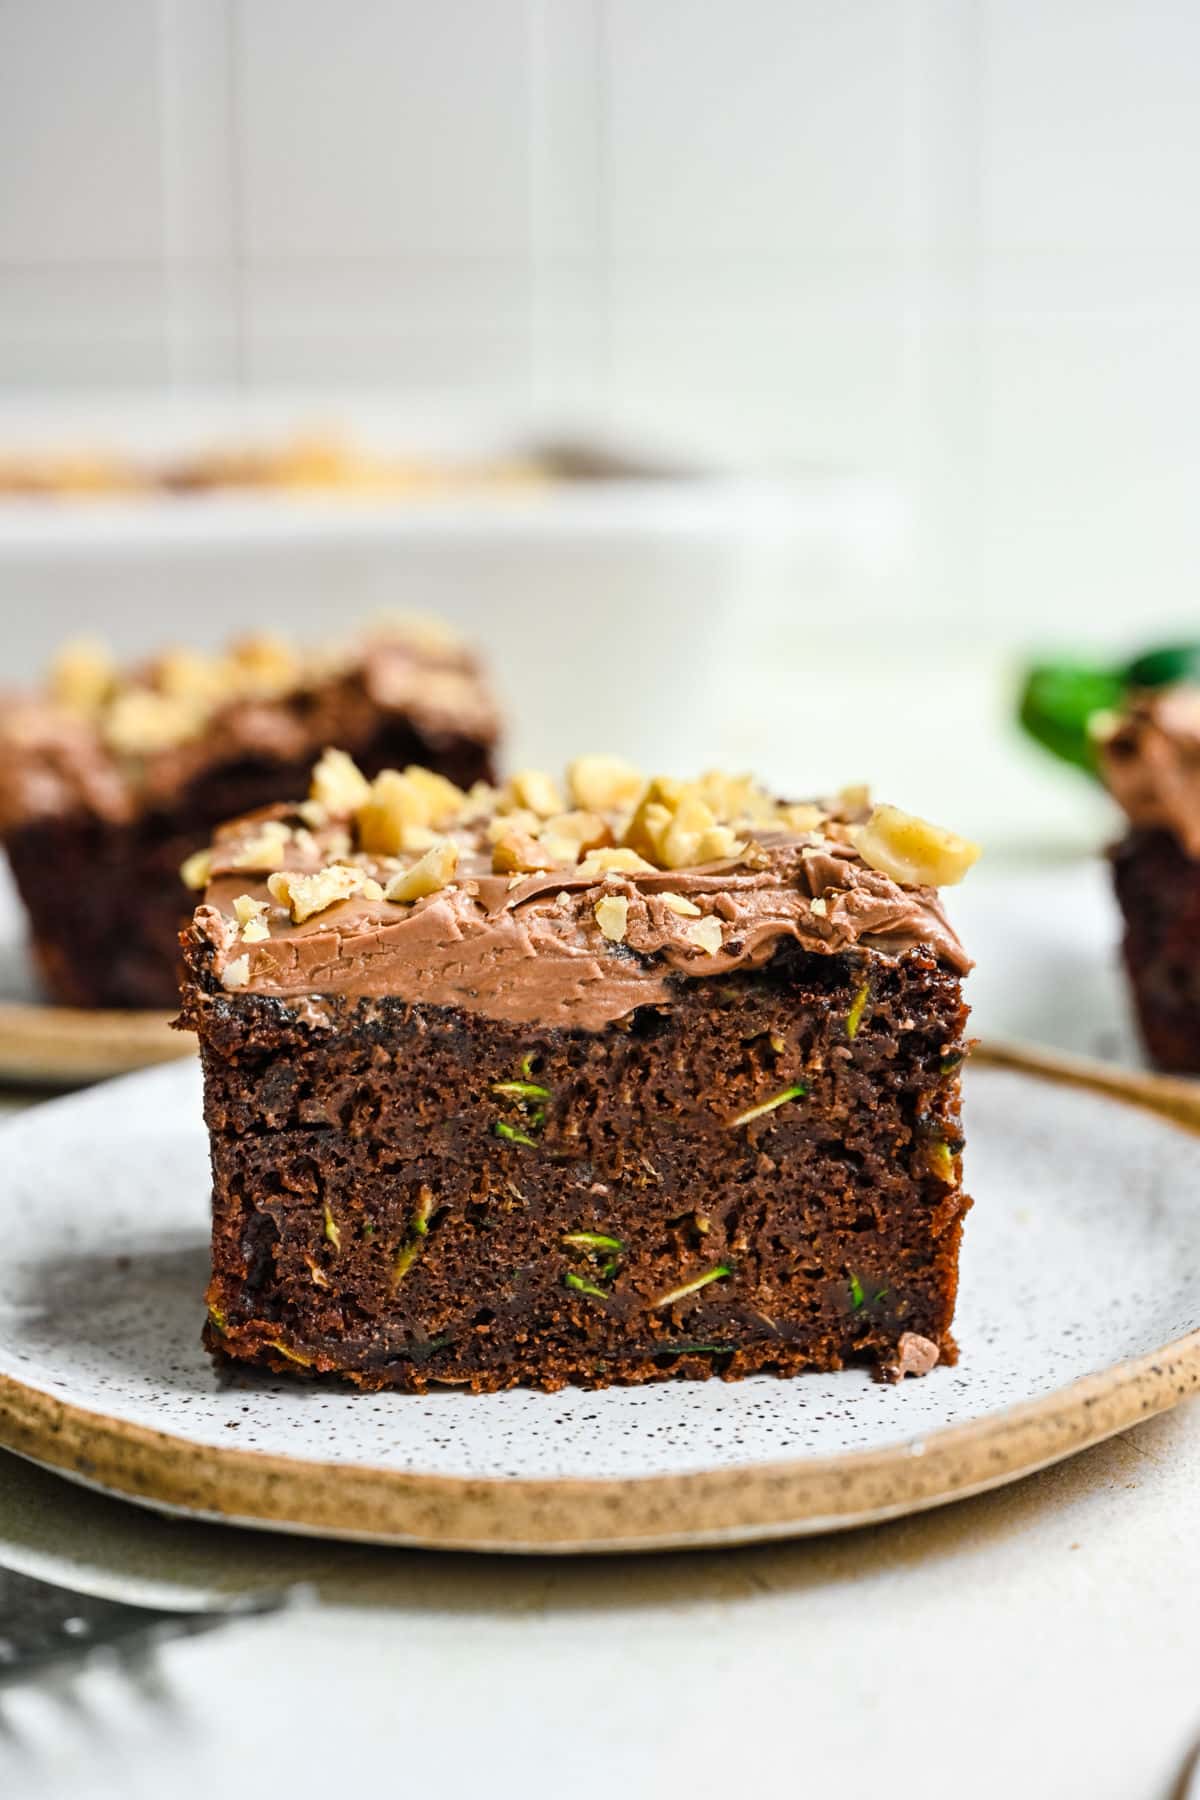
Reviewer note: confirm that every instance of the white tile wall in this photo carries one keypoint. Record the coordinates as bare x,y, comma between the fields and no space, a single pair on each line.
764,127
956,240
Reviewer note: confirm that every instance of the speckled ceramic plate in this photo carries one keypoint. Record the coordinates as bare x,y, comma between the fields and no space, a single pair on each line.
1079,1314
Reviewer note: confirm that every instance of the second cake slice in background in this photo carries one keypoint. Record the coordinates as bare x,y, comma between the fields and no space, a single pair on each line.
111,779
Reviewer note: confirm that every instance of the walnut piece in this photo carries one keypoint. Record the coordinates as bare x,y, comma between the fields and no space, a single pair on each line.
517,818
190,675
397,802
443,800
604,783
649,823
677,904
612,915
428,875
82,676
140,722
263,667
800,817
534,789
735,797
676,828
237,973
912,851
196,871
267,849
706,934
854,802
586,830
694,836
520,854
246,908
619,861
305,895
338,785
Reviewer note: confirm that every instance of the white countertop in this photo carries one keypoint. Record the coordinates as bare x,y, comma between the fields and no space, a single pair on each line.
1040,1640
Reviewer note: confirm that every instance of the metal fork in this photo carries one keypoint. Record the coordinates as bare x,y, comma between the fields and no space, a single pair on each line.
43,1625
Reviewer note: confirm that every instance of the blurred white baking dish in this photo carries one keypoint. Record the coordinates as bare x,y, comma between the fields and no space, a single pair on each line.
639,610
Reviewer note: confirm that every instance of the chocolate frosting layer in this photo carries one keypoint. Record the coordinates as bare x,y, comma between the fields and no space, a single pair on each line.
1151,764
56,761
529,950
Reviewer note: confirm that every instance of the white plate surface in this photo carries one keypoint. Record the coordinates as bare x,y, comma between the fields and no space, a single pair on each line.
1083,1250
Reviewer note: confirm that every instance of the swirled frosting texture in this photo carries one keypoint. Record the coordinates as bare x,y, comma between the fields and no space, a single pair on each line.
530,950
1151,764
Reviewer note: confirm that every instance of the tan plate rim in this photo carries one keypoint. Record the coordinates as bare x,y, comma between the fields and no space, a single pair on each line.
656,1512
53,1045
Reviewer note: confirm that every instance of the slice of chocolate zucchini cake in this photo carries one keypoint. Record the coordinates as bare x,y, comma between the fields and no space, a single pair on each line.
1150,760
650,1079
110,779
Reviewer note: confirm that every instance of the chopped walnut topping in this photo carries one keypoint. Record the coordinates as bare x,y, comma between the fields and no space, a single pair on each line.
720,844
693,836
800,817
196,871
735,797
520,854
706,934
264,666
480,799
140,722
619,861
266,850
191,676
911,850
429,875
586,830
443,800
237,973
246,908
516,819
534,789
612,916
564,850
677,904
255,930
654,812
82,676
418,837
305,895
820,907
675,828
395,802
338,786
854,802
604,783
398,802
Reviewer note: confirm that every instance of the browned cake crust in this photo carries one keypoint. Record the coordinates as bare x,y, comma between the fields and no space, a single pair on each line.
738,1150
109,781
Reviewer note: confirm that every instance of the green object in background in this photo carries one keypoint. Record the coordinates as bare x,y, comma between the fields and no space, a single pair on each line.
1060,699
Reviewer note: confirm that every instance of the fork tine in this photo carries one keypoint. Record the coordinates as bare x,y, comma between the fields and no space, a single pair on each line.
43,1625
